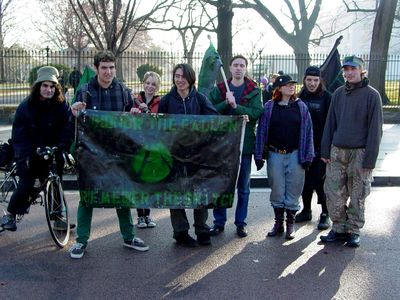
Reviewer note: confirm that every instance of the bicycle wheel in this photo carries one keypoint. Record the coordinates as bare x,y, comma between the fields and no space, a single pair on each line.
8,184
56,213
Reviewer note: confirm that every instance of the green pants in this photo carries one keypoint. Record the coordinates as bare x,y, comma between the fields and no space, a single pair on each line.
85,214
345,178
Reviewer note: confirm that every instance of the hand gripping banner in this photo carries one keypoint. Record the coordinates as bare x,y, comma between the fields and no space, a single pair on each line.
158,160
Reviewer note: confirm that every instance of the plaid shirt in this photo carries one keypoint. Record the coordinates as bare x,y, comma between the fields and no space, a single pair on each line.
109,99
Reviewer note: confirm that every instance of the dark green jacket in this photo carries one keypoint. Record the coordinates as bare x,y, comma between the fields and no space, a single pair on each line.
250,104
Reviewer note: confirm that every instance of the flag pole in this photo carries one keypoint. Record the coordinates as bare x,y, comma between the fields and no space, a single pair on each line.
331,53
222,70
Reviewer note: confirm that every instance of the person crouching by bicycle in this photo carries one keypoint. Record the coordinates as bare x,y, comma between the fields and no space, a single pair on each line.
42,119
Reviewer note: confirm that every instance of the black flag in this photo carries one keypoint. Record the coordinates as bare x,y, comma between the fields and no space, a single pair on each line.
331,69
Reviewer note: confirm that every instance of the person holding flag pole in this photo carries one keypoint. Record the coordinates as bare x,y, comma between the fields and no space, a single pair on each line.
237,96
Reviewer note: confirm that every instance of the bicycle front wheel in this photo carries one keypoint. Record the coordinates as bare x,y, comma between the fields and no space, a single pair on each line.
57,213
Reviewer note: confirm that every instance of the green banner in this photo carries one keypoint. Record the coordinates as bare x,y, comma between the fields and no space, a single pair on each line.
158,160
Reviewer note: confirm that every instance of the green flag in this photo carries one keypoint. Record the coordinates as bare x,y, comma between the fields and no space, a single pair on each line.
88,73
209,69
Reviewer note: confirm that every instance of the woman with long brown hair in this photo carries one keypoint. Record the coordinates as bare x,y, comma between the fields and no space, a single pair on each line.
42,119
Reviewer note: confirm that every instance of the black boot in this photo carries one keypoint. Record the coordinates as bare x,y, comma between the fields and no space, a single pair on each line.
290,218
278,226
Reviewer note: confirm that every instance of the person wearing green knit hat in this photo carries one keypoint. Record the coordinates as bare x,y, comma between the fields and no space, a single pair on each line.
42,119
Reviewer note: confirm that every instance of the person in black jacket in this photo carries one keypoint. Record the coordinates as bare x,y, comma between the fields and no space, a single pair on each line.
185,99
317,99
42,119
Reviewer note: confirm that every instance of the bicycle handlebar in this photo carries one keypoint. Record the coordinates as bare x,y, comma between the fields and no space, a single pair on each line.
47,152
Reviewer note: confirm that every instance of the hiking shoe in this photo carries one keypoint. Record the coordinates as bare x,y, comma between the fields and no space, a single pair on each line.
353,241
203,239
185,240
137,244
215,230
77,250
9,223
150,223
303,216
324,222
241,231
141,222
333,236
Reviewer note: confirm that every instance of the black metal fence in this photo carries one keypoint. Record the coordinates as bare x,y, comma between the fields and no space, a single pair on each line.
16,66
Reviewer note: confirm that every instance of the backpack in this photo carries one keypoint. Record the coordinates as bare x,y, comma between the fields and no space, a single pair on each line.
6,154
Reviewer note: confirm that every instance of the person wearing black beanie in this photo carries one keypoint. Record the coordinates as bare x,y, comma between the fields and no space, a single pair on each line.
317,99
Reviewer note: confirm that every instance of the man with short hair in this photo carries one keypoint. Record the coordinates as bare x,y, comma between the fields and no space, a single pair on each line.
317,99
350,146
104,92
244,98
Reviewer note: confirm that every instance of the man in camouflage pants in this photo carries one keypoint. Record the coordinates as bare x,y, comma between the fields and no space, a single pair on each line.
350,146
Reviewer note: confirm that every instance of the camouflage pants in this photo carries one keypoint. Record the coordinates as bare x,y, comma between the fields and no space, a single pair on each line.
346,178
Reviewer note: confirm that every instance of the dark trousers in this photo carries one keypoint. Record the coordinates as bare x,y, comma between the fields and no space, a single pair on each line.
19,201
180,223
143,212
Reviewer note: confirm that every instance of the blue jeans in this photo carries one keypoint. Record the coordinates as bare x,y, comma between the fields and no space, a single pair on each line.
286,179
243,187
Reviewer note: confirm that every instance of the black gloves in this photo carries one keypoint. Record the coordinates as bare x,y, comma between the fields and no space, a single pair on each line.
259,164
306,165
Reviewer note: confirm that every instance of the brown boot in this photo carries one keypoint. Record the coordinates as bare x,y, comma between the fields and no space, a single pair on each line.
290,218
278,226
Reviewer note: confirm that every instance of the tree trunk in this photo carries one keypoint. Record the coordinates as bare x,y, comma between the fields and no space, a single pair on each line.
224,32
380,44
302,59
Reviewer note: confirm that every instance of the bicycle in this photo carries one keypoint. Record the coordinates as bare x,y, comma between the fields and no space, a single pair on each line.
48,193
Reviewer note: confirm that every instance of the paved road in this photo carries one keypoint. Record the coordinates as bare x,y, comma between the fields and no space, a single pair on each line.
255,267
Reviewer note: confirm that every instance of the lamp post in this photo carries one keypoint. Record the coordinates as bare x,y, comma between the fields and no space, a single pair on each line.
47,55
259,65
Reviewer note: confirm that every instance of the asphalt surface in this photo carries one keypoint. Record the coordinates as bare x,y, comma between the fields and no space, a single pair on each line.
256,267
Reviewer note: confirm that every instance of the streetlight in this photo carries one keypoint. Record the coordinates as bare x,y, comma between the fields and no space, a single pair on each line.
259,66
47,55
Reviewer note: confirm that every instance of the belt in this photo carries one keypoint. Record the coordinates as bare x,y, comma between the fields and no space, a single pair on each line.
280,151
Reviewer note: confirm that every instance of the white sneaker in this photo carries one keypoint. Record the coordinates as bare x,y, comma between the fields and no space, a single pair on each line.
77,250
150,223
137,244
141,222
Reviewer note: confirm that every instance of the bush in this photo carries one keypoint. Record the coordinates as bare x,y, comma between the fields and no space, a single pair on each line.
142,69
33,72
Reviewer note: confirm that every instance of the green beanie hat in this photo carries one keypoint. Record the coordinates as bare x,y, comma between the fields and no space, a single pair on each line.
47,73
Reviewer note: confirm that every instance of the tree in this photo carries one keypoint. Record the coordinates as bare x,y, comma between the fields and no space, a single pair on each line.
380,45
114,25
63,27
189,19
381,34
303,24
5,9
224,29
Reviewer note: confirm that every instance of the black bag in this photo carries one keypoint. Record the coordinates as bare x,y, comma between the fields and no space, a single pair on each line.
6,154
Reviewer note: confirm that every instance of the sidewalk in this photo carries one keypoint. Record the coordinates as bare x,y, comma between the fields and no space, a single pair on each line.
387,171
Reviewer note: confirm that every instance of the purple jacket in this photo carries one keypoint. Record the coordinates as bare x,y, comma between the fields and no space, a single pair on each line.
306,144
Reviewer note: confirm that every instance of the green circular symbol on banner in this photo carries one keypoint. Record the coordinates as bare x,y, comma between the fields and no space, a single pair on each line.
152,163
